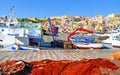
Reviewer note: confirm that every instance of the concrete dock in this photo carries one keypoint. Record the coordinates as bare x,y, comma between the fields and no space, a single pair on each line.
55,54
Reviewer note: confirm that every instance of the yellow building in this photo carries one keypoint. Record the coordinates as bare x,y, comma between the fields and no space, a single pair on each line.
15,20
32,19
113,15
98,27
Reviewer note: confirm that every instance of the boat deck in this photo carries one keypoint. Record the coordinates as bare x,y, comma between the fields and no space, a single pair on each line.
55,54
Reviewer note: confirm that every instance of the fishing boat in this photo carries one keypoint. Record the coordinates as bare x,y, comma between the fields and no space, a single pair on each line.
114,39
19,38
90,43
86,42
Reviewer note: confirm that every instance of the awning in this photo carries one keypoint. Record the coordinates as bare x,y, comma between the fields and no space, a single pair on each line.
30,36
13,34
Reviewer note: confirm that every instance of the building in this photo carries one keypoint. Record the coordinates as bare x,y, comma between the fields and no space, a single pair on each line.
32,19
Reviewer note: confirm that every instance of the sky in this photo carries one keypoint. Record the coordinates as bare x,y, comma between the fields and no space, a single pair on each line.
47,8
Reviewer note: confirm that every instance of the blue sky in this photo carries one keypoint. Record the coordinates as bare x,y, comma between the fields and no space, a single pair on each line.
46,8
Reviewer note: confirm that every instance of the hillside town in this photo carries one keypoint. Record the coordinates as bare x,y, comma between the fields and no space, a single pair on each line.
67,24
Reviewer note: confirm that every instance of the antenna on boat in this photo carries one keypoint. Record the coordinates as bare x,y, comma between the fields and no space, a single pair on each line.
10,16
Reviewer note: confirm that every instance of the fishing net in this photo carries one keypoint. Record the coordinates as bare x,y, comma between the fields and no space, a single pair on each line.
98,66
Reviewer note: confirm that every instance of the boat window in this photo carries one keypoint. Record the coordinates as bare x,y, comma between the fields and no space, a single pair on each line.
2,30
1,46
117,36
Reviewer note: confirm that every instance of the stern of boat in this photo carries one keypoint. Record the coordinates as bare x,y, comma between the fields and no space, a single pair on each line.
107,45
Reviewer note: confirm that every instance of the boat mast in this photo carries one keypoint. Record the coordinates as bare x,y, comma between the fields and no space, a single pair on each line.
10,16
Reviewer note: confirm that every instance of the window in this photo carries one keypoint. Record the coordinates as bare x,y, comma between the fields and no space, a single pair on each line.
2,30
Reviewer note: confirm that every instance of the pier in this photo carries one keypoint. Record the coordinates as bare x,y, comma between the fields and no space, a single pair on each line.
55,54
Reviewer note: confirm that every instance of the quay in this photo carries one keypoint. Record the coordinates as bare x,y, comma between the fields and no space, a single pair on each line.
55,54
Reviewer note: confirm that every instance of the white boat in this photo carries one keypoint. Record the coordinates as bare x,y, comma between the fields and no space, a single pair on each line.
114,39
86,42
90,42
12,36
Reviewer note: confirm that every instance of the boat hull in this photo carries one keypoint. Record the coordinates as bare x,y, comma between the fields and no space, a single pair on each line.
116,46
107,46
115,43
28,48
89,45
14,47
